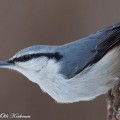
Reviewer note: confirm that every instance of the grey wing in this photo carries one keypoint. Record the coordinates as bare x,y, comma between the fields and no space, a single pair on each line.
85,52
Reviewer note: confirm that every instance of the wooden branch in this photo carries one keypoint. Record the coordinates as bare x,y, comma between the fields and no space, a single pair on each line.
113,103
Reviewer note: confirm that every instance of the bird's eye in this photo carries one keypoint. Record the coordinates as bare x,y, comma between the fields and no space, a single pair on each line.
25,57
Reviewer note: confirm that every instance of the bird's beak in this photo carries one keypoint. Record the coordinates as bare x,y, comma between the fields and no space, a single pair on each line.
6,64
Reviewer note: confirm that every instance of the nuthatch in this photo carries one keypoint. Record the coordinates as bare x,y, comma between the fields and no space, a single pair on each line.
76,71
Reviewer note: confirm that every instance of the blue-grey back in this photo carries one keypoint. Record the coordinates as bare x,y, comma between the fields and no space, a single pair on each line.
79,54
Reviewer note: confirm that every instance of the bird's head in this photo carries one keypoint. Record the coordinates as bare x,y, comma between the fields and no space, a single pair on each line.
32,59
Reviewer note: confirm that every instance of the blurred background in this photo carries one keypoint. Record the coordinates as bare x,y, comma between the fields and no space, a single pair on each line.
54,22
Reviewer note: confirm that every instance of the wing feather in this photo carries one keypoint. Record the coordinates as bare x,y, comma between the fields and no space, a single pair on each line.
88,51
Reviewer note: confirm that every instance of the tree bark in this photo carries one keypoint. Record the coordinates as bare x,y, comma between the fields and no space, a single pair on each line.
113,103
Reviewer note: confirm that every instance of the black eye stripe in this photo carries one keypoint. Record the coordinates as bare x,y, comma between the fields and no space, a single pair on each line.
28,57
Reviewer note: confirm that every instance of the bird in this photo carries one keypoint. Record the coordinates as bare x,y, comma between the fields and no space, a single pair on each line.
76,71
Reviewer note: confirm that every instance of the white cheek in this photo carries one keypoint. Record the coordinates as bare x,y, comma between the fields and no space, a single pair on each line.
34,64
52,66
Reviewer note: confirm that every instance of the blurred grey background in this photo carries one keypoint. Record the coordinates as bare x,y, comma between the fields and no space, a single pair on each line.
54,22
